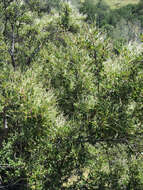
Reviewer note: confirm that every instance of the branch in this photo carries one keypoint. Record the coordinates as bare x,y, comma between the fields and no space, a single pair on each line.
36,50
4,118
12,50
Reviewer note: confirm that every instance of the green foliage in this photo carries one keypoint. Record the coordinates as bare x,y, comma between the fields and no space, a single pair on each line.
88,7
17,35
34,149
70,103
43,6
95,10
66,21
65,18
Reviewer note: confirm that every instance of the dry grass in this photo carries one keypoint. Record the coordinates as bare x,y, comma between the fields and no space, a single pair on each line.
119,3
74,178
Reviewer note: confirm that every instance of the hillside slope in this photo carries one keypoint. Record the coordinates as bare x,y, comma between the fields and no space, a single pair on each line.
120,3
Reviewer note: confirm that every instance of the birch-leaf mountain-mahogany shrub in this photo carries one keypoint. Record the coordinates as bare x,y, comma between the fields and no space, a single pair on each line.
100,97
73,119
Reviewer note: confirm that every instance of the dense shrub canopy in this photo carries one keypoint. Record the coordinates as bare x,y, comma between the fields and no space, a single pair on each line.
70,101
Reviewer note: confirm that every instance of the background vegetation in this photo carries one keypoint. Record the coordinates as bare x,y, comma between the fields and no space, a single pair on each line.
122,20
71,93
